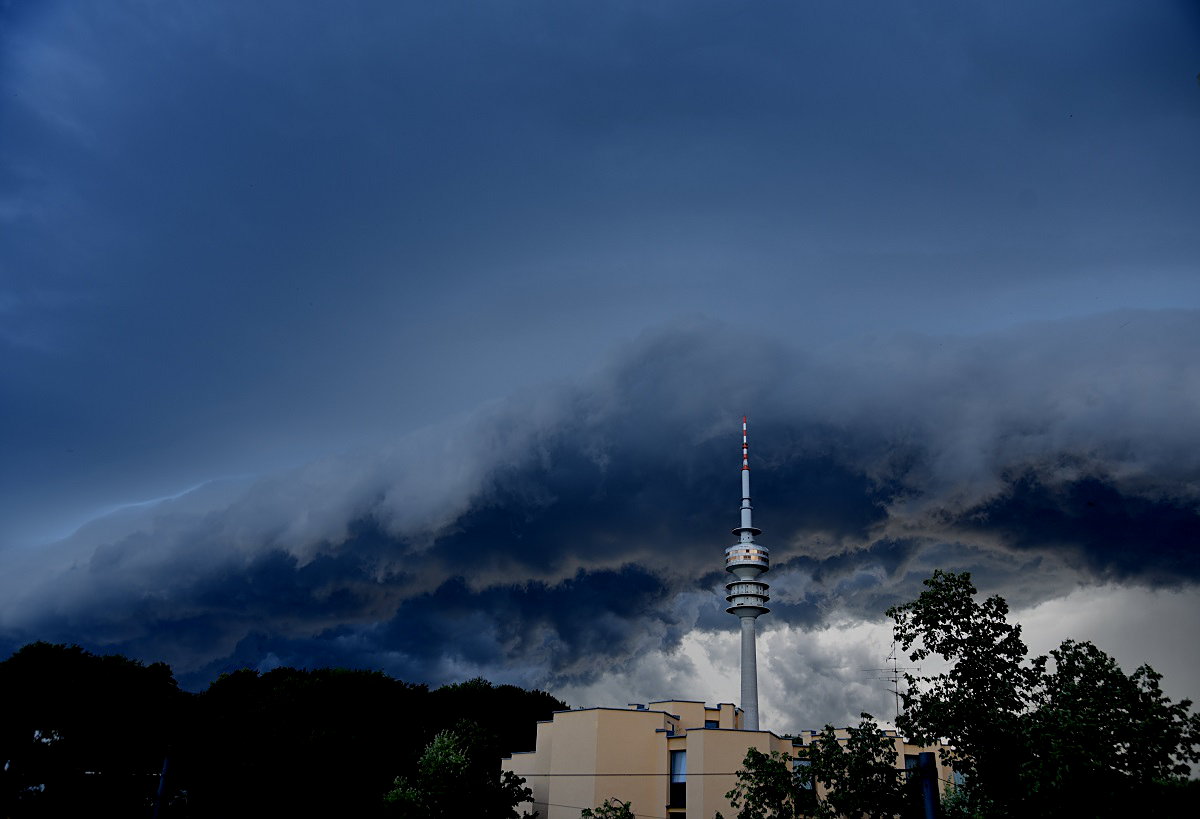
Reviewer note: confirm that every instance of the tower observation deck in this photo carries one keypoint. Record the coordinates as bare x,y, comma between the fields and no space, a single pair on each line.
746,594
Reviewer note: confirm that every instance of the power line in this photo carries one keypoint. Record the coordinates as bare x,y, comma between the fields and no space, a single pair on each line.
580,807
634,773
668,773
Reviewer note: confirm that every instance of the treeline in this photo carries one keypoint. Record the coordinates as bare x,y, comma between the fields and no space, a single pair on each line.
84,734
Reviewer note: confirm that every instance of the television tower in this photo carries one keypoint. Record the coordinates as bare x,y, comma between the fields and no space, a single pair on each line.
747,595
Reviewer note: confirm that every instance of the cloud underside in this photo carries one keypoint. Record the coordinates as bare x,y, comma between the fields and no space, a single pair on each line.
564,538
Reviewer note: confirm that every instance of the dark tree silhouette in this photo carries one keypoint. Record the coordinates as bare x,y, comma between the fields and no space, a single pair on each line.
859,777
88,735
332,741
458,776
84,734
1067,734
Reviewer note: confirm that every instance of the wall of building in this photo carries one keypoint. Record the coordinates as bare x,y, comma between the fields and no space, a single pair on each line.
583,757
715,756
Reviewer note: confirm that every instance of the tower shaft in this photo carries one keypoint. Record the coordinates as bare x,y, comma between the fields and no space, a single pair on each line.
749,676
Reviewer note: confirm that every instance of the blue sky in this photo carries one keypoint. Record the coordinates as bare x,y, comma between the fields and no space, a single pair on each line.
297,300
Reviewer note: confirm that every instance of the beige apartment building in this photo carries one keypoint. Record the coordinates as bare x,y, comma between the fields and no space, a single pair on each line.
671,759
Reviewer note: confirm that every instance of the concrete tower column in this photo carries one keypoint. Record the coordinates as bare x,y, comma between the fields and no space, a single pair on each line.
749,676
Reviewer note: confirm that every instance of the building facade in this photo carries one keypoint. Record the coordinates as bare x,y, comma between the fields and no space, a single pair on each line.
673,758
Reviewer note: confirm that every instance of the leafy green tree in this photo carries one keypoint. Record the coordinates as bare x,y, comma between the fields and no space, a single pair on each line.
87,734
611,808
331,741
979,703
84,733
1099,736
455,777
505,712
771,786
859,776
295,742
1080,738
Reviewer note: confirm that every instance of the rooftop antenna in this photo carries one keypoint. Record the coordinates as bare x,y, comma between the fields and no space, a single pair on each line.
892,674
746,594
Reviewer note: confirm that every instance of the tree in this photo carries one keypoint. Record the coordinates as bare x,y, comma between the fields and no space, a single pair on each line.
770,786
294,742
1098,736
1082,737
859,777
456,777
978,704
611,808
84,733
505,712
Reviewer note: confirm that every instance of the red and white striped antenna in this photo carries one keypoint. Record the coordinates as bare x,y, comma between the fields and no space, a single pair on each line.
745,446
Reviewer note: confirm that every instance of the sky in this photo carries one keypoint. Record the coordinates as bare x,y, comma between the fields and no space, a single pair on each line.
417,337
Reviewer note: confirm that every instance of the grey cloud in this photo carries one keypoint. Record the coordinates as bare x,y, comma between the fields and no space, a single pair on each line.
830,683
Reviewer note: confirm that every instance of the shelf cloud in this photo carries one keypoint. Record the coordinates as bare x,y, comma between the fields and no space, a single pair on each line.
552,541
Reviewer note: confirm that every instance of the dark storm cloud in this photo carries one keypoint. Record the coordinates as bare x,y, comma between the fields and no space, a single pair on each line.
557,537
239,236
531,632
1110,532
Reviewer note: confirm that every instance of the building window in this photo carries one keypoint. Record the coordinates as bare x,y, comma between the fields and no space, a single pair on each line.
712,723
802,770
678,766
678,780
911,761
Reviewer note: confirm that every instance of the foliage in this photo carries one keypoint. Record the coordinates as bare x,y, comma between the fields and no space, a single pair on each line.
978,704
89,734
83,733
1097,735
454,778
955,804
297,742
859,777
769,787
506,712
1070,733
331,741
611,808
1172,797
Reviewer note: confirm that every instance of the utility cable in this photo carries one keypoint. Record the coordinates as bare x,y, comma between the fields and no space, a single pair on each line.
580,808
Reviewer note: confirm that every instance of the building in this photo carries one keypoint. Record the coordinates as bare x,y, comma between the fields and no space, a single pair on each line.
642,754
673,758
